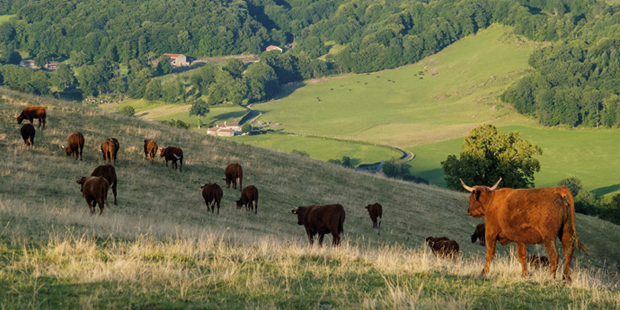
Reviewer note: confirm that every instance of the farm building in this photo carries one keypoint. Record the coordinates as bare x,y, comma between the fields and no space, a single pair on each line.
177,60
228,129
28,64
273,48
51,65
233,125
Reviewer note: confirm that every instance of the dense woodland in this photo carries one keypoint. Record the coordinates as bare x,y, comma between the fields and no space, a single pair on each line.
572,81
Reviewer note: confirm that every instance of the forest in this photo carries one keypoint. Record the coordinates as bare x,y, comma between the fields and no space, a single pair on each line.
572,80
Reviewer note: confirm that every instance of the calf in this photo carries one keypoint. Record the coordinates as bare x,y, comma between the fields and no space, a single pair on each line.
479,235
109,148
30,113
212,193
376,212
75,146
150,149
173,153
249,195
95,191
28,132
322,219
443,247
537,262
232,172
109,173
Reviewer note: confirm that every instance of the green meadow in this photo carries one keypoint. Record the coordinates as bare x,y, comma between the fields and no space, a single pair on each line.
160,247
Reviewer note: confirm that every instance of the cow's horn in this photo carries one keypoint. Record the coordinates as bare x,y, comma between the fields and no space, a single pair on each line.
469,189
496,184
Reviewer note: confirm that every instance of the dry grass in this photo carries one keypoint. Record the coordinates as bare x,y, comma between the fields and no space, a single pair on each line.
159,248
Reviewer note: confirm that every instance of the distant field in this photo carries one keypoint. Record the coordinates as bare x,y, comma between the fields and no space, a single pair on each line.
322,149
589,155
398,107
5,18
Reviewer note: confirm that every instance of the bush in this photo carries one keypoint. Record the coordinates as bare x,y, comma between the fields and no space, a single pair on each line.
177,123
394,168
127,110
300,153
246,128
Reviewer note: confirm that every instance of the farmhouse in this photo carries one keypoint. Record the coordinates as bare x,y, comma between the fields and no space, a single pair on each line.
177,60
273,48
233,125
28,64
228,129
51,65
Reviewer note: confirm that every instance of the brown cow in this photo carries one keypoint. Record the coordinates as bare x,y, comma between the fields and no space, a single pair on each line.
443,247
75,146
150,149
95,191
109,173
212,193
322,219
376,212
478,234
28,132
31,113
232,172
537,262
173,153
527,216
109,148
249,196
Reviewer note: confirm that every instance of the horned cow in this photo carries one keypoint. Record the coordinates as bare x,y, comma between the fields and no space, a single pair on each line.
322,219
249,196
527,216
95,191
212,194
30,113
376,212
27,131
173,153
75,146
109,173
232,172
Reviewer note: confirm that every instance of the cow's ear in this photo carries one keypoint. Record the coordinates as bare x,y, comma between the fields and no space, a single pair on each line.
366,207
294,211
477,193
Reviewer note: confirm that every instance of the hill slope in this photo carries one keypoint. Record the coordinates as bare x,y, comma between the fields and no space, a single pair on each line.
159,248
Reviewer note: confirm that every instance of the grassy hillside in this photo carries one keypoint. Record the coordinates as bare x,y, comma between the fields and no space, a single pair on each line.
160,249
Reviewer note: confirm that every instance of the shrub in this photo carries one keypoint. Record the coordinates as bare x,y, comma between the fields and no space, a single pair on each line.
127,110
300,153
246,128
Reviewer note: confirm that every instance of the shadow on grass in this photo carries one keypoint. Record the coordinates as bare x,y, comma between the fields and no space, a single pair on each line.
606,190
286,90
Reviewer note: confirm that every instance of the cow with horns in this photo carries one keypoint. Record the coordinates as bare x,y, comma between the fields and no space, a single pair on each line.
527,216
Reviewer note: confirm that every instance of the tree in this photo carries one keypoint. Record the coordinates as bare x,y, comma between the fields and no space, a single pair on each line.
41,59
246,128
127,110
573,184
14,58
64,76
172,91
153,90
164,66
394,168
488,154
235,67
199,107
300,153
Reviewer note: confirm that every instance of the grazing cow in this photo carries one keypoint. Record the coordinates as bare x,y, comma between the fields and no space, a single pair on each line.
322,220
95,191
479,234
376,212
31,113
75,146
150,149
249,195
109,148
232,172
537,262
527,216
28,132
212,193
109,173
173,153
443,247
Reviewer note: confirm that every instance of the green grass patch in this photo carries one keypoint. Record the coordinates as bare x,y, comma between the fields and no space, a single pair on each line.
5,18
321,148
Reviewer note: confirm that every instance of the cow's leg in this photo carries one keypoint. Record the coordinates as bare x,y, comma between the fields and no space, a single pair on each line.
336,241
207,202
166,162
522,254
552,252
90,207
181,165
218,206
42,120
256,207
114,191
311,239
569,250
321,235
490,253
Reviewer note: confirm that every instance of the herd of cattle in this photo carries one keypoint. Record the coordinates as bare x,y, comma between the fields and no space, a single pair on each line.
524,216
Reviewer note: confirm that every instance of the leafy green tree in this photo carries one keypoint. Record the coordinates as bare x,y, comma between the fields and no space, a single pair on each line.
173,91
199,107
14,58
573,184
40,83
235,67
127,110
202,79
118,84
164,66
64,76
78,58
262,81
137,87
153,90
488,154
40,59
394,168
246,128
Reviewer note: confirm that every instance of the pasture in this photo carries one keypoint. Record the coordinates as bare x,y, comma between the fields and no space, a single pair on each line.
159,248
585,154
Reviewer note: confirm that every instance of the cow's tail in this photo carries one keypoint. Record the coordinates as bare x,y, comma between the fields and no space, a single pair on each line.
341,225
571,220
